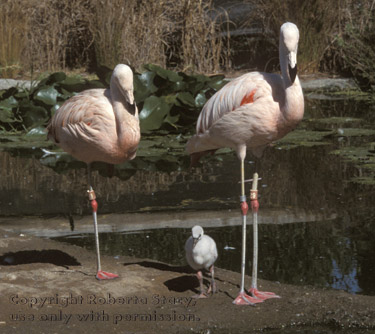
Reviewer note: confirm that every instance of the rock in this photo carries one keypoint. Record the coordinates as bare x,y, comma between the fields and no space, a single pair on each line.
8,83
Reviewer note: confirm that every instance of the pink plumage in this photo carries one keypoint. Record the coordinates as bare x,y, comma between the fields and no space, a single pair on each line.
99,124
250,112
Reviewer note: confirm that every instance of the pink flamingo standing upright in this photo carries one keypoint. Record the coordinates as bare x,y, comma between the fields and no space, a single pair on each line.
99,125
250,112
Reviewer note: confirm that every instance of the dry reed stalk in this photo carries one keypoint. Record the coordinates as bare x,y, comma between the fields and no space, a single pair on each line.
170,33
56,35
317,20
62,34
198,45
13,25
129,31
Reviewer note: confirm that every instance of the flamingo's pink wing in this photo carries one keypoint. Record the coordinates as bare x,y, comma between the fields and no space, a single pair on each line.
245,89
83,113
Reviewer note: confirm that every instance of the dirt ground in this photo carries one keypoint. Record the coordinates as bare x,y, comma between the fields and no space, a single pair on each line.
50,287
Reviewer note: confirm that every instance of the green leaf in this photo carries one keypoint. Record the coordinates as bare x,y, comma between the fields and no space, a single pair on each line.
217,82
153,113
172,120
170,99
47,95
200,100
163,73
56,77
179,86
6,116
8,104
38,131
186,98
200,77
33,115
55,108
6,107
144,86
73,84
354,132
94,84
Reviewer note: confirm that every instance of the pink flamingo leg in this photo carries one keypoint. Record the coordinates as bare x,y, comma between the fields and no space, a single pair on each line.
201,287
100,275
260,295
212,288
243,298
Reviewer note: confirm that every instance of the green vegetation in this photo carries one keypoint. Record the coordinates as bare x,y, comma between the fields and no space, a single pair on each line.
166,100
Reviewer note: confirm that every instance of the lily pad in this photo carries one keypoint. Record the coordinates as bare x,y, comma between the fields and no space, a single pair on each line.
164,73
32,115
47,95
365,180
200,100
354,132
144,86
336,120
56,77
38,131
153,113
6,113
303,138
9,103
357,154
186,98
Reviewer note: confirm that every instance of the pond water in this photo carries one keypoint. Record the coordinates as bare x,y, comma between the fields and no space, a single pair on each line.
316,196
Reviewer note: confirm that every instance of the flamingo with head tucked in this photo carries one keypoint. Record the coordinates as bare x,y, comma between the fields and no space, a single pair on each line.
99,125
250,112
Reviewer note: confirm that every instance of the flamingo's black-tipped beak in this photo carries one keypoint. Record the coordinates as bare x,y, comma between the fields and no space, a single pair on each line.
292,72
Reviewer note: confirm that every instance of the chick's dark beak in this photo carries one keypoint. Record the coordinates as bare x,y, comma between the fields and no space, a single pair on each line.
195,241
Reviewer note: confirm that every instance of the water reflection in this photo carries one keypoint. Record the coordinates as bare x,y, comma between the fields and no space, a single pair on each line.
347,282
328,240
313,253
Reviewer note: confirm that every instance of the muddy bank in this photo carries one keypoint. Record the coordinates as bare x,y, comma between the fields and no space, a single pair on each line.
50,287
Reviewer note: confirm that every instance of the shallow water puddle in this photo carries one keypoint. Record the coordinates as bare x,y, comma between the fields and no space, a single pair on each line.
316,198
321,253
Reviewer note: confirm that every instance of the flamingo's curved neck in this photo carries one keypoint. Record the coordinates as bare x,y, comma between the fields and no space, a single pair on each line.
119,104
283,56
293,104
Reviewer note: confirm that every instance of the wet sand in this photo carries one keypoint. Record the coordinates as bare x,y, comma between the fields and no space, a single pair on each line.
50,287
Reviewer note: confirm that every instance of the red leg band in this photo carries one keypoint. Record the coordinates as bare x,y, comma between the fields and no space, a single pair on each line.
254,205
244,208
94,205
